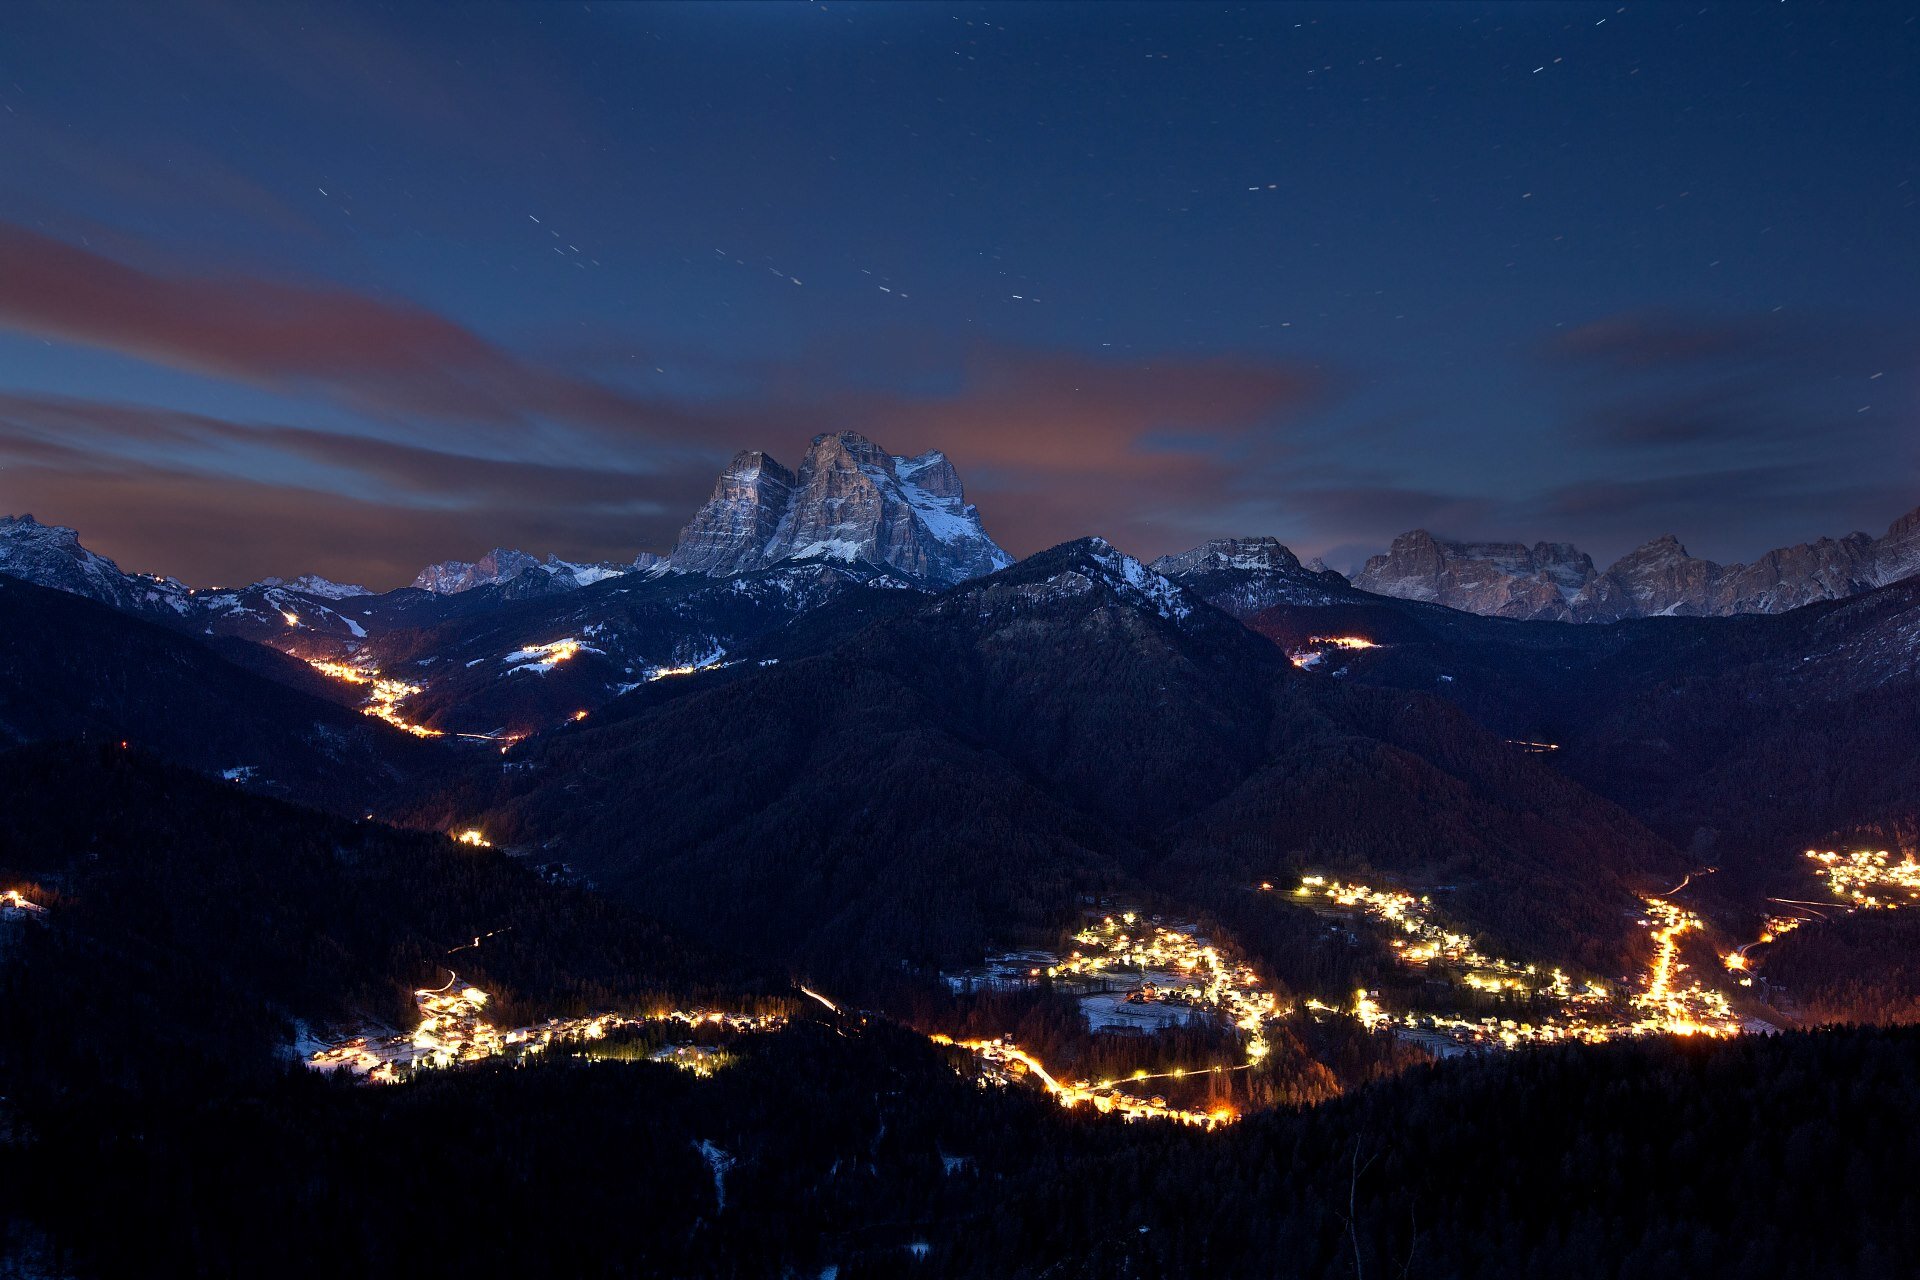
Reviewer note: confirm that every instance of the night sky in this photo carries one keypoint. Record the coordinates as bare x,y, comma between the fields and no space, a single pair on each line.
348,289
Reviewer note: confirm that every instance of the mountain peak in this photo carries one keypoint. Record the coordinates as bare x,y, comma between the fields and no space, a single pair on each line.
851,502
851,443
313,584
1259,553
1092,564
450,577
1243,576
1555,580
1505,579
51,555
1906,524
1662,549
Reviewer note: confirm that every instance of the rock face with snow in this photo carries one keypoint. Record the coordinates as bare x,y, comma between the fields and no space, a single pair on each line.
452,576
732,532
585,574
1501,579
517,573
50,555
850,502
1243,576
313,584
1103,567
1556,582
1662,578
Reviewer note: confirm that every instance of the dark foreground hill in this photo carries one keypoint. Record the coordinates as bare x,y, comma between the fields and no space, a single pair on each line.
859,1152
190,926
151,1126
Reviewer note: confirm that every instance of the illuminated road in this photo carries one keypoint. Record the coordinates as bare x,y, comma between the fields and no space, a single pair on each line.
385,695
1860,881
1590,1013
1196,975
453,1031
1190,973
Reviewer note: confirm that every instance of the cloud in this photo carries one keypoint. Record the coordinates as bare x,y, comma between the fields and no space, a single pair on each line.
383,356
1734,514
223,529
1054,445
1779,382
1051,445
1736,432
156,488
378,463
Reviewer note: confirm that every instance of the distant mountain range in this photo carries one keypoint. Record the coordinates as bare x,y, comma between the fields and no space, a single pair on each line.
854,508
502,565
836,695
1555,581
779,564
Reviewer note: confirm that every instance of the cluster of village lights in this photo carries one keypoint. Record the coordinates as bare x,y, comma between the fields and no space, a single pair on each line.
1865,880
453,1031
1588,1013
453,1028
1317,646
384,694
1869,881
1207,979
17,900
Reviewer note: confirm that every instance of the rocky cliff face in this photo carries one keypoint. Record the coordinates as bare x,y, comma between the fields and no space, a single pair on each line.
731,533
1554,581
517,571
1243,576
850,502
1501,579
450,576
313,584
50,555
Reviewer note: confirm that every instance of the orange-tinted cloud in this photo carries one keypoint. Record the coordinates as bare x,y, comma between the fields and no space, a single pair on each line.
377,354
210,500
1051,447
225,530
1056,445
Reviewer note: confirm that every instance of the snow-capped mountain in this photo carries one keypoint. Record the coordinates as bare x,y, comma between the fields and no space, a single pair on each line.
1242,576
504,565
1088,575
452,576
53,556
1555,581
313,584
586,575
1661,577
851,502
50,555
1547,581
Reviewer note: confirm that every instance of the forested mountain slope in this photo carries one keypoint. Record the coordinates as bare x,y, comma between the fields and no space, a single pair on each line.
962,772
